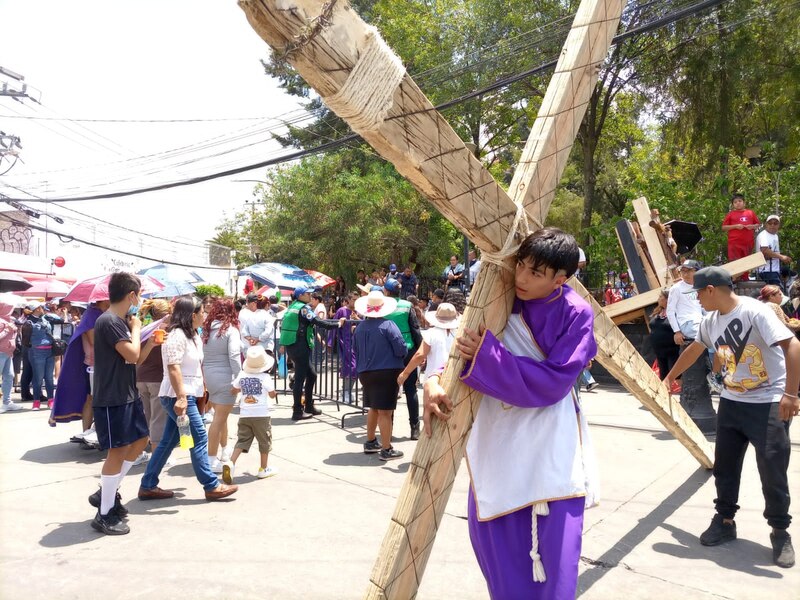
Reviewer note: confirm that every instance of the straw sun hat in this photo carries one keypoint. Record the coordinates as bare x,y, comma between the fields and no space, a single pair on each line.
257,360
375,305
445,317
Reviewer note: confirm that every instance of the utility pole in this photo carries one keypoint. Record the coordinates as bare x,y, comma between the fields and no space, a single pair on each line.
13,86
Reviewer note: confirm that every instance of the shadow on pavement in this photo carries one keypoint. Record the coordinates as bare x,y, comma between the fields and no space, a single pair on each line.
353,459
64,453
70,534
739,555
648,524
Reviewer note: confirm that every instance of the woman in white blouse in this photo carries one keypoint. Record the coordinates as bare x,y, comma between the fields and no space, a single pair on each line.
183,382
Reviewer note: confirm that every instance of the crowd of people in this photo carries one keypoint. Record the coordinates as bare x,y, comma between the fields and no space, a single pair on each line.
159,373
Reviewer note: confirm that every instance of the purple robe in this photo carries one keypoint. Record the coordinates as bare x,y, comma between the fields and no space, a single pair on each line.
562,326
73,382
347,364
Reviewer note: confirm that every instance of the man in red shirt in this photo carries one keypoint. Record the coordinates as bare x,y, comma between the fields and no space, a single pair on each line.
740,223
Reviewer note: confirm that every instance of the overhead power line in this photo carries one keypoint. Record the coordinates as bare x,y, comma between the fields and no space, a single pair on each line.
327,146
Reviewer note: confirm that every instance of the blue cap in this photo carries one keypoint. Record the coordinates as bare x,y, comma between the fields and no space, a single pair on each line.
393,267
392,285
376,288
300,290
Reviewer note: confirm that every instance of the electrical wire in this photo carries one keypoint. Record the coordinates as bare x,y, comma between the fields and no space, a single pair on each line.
650,26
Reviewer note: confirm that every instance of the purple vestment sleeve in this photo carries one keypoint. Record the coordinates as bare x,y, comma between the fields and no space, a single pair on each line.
563,328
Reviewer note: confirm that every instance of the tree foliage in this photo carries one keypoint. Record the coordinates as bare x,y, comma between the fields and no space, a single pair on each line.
683,115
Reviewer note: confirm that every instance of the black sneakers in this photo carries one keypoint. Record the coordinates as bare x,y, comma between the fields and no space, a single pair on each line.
110,524
121,511
415,431
782,549
372,446
390,454
300,416
718,532
310,410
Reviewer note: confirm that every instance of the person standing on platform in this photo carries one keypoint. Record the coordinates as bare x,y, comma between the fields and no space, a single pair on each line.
740,223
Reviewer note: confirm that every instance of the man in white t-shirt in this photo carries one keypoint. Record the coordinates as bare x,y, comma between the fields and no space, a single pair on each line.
581,263
761,369
684,314
247,313
769,244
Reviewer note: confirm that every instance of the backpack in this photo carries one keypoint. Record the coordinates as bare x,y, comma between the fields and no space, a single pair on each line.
8,338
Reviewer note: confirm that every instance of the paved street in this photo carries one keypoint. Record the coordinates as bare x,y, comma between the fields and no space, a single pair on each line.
313,531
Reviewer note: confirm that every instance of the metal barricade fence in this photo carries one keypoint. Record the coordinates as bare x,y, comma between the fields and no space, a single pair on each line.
327,359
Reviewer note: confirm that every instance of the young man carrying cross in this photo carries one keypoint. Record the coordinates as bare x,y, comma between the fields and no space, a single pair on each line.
530,459
761,370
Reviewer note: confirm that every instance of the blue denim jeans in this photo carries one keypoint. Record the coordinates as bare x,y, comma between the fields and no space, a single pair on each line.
43,363
7,373
199,454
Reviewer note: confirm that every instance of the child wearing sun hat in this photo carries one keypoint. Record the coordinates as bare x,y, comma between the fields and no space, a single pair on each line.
256,387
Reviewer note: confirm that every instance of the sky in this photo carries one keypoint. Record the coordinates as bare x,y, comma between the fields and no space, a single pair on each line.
135,61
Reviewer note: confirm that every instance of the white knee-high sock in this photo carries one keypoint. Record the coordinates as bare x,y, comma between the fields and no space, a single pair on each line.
126,466
108,492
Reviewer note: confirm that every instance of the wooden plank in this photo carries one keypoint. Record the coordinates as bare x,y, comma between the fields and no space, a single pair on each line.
630,316
743,265
638,378
636,302
654,249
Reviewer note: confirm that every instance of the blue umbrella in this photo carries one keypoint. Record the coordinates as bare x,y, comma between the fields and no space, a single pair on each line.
170,274
279,275
173,289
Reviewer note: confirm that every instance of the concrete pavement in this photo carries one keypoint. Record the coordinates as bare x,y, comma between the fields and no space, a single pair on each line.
314,530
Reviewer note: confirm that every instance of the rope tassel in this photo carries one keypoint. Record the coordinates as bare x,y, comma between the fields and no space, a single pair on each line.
538,509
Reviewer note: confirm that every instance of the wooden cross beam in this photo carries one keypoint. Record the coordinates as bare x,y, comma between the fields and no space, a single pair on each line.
334,50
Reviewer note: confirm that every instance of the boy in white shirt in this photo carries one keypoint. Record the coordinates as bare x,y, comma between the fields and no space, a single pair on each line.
254,409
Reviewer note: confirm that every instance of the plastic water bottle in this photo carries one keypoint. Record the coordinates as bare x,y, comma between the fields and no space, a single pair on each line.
185,431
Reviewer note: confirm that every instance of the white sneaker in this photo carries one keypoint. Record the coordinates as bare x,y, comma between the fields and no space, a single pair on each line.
208,418
268,472
216,465
91,438
142,458
227,472
226,453
10,407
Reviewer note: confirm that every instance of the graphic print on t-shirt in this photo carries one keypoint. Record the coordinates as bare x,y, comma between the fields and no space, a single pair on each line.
734,352
251,387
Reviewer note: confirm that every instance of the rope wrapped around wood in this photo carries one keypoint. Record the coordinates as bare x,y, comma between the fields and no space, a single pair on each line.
519,229
366,96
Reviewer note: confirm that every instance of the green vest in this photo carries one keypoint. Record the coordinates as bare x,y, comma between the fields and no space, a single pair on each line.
400,318
291,324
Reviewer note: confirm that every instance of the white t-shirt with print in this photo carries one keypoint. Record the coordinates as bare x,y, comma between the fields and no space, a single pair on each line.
177,350
255,394
769,240
753,366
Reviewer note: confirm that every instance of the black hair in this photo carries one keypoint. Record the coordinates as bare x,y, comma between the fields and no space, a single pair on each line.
121,284
239,304
182,312
317,296
273,299
456,297
439,293
550,248
736,196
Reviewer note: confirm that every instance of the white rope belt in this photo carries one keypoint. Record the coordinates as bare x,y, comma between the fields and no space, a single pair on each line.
511,245
537,510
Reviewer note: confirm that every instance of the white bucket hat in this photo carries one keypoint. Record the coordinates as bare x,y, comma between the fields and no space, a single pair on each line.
375,305
445,317
257,360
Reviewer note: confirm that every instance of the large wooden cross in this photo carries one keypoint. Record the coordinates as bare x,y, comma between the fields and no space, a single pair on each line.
335,51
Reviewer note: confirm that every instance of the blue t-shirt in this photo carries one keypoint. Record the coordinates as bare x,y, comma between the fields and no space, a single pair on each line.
378,345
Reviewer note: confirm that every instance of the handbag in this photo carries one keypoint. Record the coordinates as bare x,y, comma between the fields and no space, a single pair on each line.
57,345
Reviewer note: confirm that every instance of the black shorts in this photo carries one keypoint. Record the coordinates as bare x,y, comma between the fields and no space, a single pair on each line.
118,426
379,388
